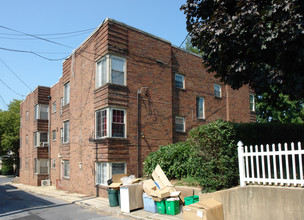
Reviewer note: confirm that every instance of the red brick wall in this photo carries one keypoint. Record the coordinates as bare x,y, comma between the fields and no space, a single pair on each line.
151,65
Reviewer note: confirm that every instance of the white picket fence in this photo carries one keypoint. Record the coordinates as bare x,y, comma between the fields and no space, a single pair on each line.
271,164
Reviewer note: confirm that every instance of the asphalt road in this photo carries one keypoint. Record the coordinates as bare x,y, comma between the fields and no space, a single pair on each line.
17,204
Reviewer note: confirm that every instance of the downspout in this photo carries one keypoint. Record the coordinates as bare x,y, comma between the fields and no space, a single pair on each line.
227,103
49,142
138,131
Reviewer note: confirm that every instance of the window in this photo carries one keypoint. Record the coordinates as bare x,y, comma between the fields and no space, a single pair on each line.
54,135
54,107
21,122
66,94
41,112
217,91
26,140
200,107
20,163
20,142
41,166
180,124
105,170
62,103
66,169
252,102
27,115
26,162
61,135
110,123
179,81
111,69
40,139
66,132
54,163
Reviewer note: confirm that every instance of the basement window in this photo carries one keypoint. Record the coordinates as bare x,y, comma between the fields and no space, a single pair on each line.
105,170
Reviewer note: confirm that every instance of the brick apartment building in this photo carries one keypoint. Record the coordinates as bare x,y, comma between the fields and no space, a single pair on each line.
123,93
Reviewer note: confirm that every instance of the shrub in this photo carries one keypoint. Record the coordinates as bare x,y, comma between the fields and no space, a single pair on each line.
176,160
216,144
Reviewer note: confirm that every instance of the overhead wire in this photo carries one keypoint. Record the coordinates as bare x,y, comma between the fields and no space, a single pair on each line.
52,34
11,88
15,74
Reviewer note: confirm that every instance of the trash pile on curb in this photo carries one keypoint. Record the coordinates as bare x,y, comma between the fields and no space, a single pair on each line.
158,195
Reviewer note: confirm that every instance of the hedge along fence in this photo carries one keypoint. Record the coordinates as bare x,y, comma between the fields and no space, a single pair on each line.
210,153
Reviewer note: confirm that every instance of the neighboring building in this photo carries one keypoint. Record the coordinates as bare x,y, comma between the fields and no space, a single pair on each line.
122,94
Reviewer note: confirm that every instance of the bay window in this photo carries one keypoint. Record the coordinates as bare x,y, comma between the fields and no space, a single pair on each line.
111,69
40,138
110,122
41,112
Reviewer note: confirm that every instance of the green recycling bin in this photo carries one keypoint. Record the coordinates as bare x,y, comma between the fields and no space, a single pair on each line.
113,197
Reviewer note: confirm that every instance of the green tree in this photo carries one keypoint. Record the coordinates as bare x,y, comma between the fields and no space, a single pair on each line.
279,110
9,130
260,43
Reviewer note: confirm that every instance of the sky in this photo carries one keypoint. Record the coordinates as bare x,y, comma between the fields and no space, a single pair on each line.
51,29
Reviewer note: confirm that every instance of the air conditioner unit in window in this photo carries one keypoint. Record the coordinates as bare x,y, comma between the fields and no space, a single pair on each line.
44,144
45,182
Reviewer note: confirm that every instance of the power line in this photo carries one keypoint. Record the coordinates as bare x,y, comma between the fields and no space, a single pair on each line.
17,38
3,101
167,64
65,33
40,38
11,88
34,53
15,74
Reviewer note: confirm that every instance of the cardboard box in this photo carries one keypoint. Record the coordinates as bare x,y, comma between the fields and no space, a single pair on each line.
209,209
161,179
148,186
116,181
160,193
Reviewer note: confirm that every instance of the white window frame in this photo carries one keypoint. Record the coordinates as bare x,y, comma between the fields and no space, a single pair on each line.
184,124
64,164
66,93
37,139
108,63
37,166
27,115
54,105
38,111
198,102
66,132
109,112
108,171
183,80
252,102
217,90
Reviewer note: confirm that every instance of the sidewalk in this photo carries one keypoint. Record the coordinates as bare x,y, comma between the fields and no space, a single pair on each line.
92,202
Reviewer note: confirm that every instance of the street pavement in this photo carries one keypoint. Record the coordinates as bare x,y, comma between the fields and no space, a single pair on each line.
17,204
101,204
